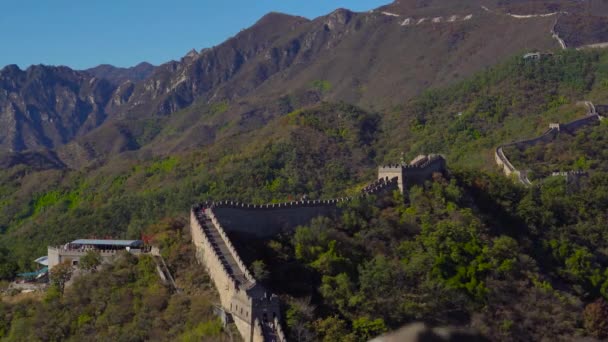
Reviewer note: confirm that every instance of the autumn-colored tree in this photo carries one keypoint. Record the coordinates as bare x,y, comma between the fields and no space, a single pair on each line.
60,275
595,319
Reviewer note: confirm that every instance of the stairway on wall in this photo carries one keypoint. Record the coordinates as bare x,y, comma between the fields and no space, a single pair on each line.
164,272
222,250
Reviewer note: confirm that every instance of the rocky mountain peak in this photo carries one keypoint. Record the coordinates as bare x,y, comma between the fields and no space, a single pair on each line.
192,54
117,75
339,17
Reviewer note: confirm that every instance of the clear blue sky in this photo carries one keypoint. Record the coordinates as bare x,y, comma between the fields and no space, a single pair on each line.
85,33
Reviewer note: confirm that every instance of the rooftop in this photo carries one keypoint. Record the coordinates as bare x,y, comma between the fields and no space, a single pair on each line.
43,260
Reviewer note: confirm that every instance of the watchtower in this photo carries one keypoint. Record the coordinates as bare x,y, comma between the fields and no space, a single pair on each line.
417,171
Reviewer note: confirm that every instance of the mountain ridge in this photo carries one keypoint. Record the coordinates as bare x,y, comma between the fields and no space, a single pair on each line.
280,56
118,75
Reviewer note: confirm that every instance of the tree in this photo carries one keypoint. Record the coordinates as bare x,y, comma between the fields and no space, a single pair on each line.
334,329
90,261
260,271
299,317
60,275
366,328
594,319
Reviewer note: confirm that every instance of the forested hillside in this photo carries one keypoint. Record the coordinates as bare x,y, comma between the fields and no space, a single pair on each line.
122,301
468,249
582,151
513,101
471,248
319,151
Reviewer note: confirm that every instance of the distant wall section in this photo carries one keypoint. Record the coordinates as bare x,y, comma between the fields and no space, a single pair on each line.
593,117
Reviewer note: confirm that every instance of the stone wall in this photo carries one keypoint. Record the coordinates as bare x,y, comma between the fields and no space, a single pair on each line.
245,329
258,332
383,184
269,220
601,109
265,223
232,250
245,299
224,282
392,172
57,255
582,122
421,173
505,165
280,333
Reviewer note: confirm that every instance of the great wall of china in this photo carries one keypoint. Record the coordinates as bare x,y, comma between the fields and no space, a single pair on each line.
254,310
412,21
243,300
592,117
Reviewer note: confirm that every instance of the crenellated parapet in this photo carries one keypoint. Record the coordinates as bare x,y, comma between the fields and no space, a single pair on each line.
381,185
272,206
280,334
258,331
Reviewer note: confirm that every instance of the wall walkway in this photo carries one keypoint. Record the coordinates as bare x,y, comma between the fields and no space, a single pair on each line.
507,167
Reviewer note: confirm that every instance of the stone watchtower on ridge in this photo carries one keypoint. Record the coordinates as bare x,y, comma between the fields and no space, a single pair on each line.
417,171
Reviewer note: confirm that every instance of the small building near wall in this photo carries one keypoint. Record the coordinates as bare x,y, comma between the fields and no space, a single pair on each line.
107,249
38,276
532,56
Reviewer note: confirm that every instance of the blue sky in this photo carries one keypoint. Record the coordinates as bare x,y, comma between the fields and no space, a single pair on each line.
85,33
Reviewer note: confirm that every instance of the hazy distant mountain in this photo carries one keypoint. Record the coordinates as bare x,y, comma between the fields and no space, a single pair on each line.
116,75
45,106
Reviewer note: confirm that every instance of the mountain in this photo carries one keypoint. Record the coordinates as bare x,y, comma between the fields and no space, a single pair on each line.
472,248
293,108
376,60
117,76
357,57
361,58
45,107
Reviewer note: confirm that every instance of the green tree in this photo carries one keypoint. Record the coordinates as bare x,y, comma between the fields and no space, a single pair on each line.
90,261
260,271
333,329
366,328
299,320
